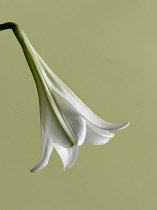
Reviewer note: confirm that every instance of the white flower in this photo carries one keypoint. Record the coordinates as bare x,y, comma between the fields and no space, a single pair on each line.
66,122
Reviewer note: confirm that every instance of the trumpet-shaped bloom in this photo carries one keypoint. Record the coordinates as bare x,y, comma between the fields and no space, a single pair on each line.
66,122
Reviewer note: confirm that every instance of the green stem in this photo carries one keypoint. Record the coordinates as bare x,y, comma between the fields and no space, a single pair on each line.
17,31
21,37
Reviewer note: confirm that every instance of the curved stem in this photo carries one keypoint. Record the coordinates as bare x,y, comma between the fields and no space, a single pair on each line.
8,25
22,39
16,29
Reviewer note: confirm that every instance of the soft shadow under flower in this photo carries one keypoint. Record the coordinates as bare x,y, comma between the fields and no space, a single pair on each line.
66,122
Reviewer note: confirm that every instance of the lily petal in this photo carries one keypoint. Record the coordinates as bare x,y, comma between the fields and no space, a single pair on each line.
67,155
50,122
78,126
97,136
75,122
47,147
61,89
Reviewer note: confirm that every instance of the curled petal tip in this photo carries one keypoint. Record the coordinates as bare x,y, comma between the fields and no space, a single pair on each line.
118,126
47,147
37,168
33,171
125,125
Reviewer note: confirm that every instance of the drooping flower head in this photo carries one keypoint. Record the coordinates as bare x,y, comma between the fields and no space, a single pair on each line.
66,122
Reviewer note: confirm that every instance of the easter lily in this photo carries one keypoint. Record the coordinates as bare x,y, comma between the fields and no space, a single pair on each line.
66,122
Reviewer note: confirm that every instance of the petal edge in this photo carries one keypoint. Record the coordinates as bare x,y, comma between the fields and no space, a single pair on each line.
47,147
67,155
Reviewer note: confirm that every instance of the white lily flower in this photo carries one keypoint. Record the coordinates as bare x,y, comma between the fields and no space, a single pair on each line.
66,122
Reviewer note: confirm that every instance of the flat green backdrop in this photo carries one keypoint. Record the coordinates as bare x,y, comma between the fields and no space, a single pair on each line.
106,52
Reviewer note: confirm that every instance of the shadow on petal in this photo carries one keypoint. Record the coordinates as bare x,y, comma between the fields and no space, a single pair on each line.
67,155
97,136
75,122
50,122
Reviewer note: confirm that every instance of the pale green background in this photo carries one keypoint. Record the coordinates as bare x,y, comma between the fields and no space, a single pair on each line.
106,52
